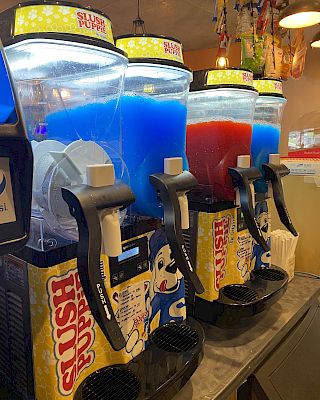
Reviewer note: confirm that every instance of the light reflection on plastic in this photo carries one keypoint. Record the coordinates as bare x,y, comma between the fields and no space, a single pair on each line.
129,254
39,53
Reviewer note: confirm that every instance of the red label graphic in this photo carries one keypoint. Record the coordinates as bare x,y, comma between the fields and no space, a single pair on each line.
247,77
172,48
221,230
72,326
91,21
278,86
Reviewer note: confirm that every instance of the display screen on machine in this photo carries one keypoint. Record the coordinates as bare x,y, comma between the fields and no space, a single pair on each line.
7,208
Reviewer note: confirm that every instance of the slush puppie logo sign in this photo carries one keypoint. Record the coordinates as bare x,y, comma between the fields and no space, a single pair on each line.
221,231
91,21
72,329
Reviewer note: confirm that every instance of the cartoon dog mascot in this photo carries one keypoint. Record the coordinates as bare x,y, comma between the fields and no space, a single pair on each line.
260,258
167,285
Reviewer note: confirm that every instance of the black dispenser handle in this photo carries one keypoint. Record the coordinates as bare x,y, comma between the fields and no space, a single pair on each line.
16,149
168,188
242,179
85,203
274,174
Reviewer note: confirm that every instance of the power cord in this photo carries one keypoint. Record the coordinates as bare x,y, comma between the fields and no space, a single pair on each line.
307,275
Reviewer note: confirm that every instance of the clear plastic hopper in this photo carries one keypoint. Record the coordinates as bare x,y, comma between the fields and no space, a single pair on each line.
219,130
219,133
265,146
15,167
69,94
154,116
266,132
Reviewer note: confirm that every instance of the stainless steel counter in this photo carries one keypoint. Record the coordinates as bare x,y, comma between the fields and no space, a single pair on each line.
231,355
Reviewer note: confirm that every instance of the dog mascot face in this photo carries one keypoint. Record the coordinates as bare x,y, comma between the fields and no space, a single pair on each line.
260,258
168,296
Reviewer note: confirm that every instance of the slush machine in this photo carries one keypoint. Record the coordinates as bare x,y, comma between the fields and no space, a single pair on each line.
154,117
76,300
265,156
224,226
153,126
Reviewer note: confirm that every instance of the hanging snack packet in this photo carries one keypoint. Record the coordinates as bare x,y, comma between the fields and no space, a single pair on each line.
287,59
252,53
247,18
300,53
274,55
262,22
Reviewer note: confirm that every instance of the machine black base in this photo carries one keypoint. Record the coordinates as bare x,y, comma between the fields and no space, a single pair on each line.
237,302
173,354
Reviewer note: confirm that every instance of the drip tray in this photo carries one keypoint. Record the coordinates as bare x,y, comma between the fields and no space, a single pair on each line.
173,354
269,274
175,338
237,302
240,293
112,383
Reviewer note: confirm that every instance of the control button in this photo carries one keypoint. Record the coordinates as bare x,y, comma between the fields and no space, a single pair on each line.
115,278
139,268
121,276
145,265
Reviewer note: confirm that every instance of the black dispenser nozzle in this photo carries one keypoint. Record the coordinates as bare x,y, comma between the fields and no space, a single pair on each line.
169,188
242,179
274,174
85,204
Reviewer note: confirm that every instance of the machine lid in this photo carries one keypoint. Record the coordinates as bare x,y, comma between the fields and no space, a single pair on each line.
151,48
56,20
269,87
233,78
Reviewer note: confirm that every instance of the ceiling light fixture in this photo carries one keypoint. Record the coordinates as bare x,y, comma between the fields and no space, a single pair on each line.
315,43
138,26
301,14
222,60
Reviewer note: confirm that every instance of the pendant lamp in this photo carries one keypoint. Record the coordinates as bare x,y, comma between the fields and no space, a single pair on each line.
300,14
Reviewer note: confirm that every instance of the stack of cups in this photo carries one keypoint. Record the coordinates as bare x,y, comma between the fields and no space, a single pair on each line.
283,248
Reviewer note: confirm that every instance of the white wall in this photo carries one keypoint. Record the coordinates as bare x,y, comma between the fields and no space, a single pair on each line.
303,200
303,108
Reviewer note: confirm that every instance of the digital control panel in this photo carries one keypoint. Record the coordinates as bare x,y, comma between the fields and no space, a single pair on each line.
132,261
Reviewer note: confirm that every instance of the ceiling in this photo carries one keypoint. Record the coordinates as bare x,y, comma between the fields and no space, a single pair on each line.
187,20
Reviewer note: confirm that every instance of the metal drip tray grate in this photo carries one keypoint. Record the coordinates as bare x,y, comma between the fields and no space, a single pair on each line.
175,338
110,384
240,293
269,274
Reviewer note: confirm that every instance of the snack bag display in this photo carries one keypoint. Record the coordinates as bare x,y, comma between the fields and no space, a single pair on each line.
253,53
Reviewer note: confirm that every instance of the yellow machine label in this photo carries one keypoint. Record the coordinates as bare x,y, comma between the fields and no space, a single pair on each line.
67,343
229,77
268,86
62,19
151,47
223,253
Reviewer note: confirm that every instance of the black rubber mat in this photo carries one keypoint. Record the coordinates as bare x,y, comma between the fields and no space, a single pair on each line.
112,383
269,274
175,338
240,293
